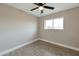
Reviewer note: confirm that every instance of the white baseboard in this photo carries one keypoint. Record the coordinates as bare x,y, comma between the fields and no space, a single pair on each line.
59,44
17,47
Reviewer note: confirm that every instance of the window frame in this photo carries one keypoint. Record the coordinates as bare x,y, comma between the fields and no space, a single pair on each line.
53,24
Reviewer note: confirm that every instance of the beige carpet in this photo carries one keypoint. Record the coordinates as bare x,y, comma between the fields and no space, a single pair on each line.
41,48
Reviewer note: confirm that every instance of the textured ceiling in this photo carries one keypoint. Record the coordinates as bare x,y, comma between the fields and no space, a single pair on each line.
58,7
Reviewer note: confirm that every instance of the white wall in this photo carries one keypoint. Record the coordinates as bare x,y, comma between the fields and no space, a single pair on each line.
16,27
70,35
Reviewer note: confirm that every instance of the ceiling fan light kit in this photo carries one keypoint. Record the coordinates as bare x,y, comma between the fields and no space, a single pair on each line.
41,8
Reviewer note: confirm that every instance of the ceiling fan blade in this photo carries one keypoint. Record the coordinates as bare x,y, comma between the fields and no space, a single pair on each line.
34,8
41,11
48,7
36,4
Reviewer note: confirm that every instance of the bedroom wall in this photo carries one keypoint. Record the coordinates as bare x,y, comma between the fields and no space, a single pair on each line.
16,27
69,35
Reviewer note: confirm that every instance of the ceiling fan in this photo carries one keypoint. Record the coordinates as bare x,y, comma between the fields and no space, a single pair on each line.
41,7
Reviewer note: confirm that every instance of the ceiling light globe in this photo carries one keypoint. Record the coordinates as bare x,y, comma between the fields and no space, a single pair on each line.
41,8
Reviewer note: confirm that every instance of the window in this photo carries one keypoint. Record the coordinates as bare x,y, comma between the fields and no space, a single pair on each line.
49,24
54,24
